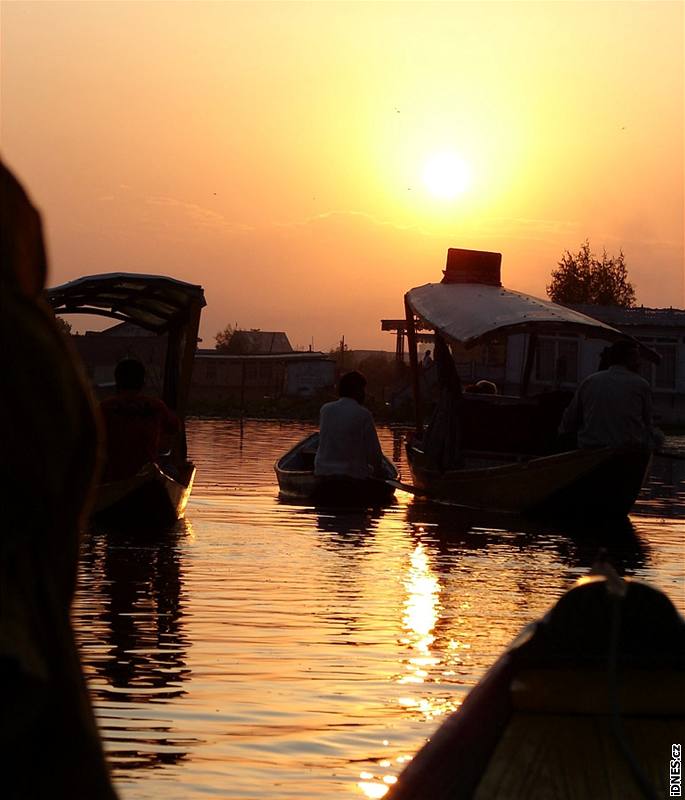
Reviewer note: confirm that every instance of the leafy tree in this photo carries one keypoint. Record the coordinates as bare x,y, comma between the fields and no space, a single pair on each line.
342,355
381,373
223,338
63,325
583,278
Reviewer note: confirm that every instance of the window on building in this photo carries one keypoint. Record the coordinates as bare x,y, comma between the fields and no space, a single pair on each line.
492,354
664,372
495,354
544,360
662,375
556,360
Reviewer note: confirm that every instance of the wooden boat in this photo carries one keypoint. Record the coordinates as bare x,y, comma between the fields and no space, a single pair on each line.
506,456
585,703
149,498
577,483
158,493
296,480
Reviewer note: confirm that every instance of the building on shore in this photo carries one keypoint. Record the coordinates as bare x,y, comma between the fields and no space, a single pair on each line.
101,351
236,379
258,365
257,342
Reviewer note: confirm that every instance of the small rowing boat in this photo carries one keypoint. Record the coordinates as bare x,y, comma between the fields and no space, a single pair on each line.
296,480
585,703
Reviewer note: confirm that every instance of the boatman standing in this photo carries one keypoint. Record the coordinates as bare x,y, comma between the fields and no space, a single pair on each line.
348,442
613,407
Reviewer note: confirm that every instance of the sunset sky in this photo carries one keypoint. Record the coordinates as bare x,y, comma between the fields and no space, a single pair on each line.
287,156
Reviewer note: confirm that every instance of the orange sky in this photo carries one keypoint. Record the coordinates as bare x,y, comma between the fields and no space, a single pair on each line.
273,152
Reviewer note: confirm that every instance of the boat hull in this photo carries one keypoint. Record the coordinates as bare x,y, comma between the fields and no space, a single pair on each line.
296,481
542,721
335,491
149,498
603,482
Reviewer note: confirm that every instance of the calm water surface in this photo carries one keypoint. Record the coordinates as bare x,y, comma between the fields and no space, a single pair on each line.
271,650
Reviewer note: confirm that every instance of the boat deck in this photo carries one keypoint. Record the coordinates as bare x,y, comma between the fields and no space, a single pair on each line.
566,757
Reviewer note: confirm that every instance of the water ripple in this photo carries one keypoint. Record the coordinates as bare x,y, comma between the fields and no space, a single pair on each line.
265,648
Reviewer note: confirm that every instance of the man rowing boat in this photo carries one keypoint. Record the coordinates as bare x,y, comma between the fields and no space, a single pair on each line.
348,442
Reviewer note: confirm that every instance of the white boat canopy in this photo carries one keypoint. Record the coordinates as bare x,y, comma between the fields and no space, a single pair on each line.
472,313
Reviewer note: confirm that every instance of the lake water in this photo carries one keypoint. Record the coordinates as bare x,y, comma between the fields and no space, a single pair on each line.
271,650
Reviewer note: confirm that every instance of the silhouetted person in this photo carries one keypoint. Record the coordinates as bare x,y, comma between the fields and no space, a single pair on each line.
443,435
613,407
427,360
48,736
348,442
135,424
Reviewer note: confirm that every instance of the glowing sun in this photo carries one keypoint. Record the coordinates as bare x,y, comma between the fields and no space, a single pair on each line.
446,175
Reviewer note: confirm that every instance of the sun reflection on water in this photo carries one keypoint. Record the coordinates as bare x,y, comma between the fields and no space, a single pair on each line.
420,616
372,789
374,786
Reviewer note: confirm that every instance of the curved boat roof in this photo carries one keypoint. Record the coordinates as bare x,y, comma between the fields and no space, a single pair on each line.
154,302
470,313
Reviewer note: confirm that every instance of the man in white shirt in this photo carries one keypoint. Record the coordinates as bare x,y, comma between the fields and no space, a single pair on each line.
613,407
348,442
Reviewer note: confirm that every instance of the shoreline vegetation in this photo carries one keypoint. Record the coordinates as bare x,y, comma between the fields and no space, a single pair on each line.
293,409
307,410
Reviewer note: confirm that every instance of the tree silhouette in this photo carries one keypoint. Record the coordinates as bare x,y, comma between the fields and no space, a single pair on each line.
583,278
63,325
223,338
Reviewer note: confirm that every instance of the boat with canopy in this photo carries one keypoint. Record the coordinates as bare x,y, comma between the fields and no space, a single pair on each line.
159,492
498,452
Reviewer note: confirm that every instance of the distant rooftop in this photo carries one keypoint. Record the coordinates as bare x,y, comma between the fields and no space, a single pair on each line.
640,316
258,343
293,355
124,330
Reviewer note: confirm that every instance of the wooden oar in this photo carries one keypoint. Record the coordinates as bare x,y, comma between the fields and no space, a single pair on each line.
406,487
